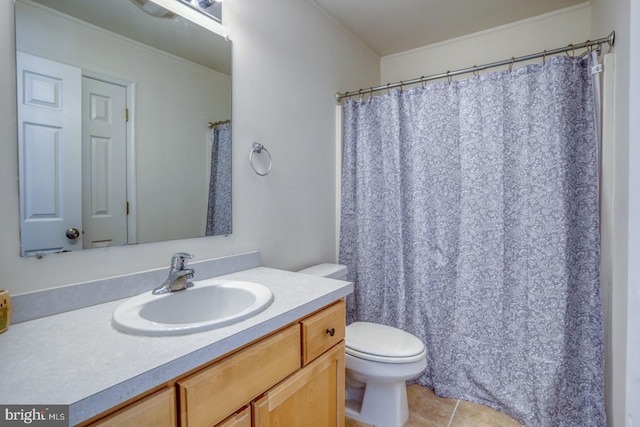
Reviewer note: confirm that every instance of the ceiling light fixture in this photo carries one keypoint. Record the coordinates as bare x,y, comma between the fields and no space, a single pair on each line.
154,9
205,3
212,8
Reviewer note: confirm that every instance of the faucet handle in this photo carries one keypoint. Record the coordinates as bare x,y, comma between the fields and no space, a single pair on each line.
179,260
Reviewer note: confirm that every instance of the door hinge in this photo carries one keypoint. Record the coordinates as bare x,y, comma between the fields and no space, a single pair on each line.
127,208
126,114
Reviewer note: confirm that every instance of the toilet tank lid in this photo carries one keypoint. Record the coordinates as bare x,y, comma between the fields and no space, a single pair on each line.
332,271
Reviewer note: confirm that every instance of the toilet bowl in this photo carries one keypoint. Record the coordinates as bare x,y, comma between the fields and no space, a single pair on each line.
379,359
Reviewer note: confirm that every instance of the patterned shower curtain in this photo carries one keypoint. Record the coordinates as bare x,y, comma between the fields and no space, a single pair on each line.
219,207
470,219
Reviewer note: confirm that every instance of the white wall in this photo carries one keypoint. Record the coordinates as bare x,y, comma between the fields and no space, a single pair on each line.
289,60
548,31
169,158
633,326
610,15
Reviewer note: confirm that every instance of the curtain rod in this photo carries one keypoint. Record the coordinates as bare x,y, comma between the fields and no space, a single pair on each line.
610,40
212,125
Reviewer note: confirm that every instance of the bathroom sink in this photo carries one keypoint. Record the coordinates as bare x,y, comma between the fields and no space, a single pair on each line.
209,304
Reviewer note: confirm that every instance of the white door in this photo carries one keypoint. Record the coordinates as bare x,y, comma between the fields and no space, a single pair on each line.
49,132
104,163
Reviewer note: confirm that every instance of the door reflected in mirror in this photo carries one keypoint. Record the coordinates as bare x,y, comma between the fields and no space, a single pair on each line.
124,126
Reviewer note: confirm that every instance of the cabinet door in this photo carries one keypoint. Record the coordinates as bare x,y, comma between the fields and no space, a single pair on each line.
312,397
241,419
156,410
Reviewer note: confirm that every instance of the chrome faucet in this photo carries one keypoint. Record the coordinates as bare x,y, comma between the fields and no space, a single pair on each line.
178,275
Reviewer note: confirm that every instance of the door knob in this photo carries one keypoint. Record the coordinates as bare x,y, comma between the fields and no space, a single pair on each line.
72,233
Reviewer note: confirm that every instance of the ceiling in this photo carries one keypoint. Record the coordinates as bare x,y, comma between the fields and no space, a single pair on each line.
387,26
392,26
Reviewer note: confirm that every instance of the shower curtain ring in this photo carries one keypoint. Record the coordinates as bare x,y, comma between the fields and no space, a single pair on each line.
475,71
388,91
401,85
360,93
544,58
513,59
449,76
573,49
423,81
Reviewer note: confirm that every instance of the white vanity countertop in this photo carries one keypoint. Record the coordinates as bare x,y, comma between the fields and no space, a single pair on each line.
78,359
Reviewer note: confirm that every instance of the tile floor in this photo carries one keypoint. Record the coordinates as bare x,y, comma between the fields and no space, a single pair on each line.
428,410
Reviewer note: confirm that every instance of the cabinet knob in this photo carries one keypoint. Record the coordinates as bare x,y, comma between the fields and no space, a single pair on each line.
331,331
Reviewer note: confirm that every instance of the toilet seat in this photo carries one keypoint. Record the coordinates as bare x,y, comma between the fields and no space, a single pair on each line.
381,343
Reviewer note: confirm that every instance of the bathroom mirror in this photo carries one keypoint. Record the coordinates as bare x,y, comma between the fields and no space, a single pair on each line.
122,106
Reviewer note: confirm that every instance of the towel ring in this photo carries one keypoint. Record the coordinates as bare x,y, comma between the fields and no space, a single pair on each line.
259,148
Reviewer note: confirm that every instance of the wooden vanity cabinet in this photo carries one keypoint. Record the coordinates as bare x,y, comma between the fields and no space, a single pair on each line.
294,377
310,395
314,395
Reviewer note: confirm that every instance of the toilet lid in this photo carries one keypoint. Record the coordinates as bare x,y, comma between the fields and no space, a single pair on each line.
382,343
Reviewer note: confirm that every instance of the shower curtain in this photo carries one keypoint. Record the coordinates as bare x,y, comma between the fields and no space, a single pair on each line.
219,206
470,219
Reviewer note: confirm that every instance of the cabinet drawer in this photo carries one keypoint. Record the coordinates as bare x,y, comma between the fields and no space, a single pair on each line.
156,410
322,331
208,396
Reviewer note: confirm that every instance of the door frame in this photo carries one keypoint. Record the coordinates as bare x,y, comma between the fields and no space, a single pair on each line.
131,148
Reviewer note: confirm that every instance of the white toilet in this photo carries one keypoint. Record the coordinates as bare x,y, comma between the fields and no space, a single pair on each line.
379,360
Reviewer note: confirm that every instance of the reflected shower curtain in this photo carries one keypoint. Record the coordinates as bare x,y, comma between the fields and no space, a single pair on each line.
470,219
219,207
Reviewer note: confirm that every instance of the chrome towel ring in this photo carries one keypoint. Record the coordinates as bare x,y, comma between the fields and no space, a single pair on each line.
259,148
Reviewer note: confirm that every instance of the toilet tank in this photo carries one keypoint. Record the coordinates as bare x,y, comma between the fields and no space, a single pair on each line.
331,271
